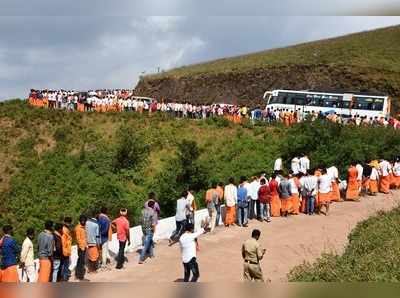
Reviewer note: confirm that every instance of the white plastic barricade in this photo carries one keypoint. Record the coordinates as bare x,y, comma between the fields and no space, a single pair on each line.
164,229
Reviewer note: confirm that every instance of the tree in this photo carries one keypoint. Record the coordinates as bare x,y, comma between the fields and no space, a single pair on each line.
132,151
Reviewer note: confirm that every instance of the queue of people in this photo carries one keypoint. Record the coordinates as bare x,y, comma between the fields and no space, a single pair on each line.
118,100
124,100
284,193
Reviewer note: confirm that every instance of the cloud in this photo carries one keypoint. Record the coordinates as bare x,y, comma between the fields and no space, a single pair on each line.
111,52
195,7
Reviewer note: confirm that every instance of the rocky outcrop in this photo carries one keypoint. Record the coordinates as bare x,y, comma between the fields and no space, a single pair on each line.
248,87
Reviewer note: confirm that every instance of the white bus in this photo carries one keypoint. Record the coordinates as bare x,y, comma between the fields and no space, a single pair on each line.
345,104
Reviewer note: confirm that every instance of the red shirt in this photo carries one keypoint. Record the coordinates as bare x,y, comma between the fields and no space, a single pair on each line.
264,194
122,228
273,187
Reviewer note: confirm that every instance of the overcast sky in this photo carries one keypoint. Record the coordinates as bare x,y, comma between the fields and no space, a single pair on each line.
111,51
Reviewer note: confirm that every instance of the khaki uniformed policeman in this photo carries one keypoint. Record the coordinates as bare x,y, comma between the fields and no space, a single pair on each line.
252,254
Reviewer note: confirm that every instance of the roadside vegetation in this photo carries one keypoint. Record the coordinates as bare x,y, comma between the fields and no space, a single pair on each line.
58,163
371,255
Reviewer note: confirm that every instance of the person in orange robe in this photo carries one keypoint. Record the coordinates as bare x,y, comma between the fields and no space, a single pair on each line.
230,197
385,170
286,118
352,192
45,252
295,199
275,201
285,195
373,180
324,191
9,251
334,174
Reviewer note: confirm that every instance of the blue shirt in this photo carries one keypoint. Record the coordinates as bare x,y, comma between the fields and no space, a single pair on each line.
104,224
9,251
242,194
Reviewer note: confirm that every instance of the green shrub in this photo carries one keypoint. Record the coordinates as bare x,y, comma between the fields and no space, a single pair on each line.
371,255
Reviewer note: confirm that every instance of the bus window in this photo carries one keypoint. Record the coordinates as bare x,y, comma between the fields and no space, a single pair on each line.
363,103
289,99
331,103
314,102
300,101
274,99
377,105
345,104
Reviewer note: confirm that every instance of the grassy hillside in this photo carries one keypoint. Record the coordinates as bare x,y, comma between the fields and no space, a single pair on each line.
373,49
363,62
371,255
58,163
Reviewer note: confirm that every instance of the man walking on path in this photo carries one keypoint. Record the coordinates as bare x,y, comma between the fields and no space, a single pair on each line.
285,195
309,191
57,253
105,236
275,201
93,243
254,201
352,192
211,201
220,191
324,191
242,203
66,240
188,250
80,234
27,257
252,254
182,208
230,197
264,195
149,221
9,250
385,171
121,224
45,252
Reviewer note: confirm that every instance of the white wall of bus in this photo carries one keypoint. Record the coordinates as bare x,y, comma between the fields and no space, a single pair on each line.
339,111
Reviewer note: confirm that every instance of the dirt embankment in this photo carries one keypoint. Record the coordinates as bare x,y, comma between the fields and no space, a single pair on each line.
248,87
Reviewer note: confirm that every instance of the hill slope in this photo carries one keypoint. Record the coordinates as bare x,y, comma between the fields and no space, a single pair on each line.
58,163
366,61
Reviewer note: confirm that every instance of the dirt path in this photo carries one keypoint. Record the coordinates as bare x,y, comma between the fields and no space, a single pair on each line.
288,242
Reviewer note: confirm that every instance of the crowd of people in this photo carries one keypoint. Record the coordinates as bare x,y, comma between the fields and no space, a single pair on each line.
301,189
125,100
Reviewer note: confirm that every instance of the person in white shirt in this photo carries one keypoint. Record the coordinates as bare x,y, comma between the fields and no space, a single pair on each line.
324,190
385,170
309,190
278,164
192,207
188,246
334,174
304,164
294,190
252,192
182,207
295,165
396,173
27,257
360,171
373,180
230,196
